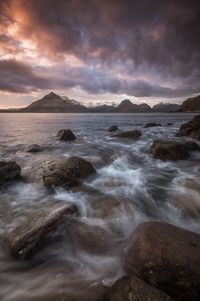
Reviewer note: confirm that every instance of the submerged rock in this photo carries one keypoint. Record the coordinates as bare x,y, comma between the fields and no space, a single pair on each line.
152,124
134,289
191,128
66,172
39,227
166,257
66,135
169,150
113,128
33,148
135,134
94,239
9,172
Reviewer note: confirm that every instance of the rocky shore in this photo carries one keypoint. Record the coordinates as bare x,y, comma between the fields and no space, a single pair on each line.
160,261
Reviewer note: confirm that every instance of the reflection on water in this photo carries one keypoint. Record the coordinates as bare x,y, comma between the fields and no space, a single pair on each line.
130,187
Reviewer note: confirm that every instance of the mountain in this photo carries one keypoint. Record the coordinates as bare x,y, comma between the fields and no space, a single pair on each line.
55,103
191,104
166,107
126,106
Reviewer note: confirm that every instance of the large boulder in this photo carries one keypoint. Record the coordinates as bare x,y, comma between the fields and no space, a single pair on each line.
167,257
191,128
33,148
66,135
66,172
40,226
151,124
134,289
169,150
9,172
113,128
135,134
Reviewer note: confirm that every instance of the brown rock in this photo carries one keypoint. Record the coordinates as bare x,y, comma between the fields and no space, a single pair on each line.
66,172
66,135
39,227
9,172
135,134
169,150
134,289
166,257
33,148
151,124
191,128
113,128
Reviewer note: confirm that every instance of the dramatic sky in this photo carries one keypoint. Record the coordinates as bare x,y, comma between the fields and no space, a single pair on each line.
99,50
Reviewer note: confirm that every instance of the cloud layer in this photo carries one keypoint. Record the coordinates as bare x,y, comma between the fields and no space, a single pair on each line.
146,48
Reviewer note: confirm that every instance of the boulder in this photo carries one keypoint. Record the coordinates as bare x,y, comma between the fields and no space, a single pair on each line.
113,128
169,150
66,172
167,257
191,128
135,134
9,172
169,123
66,135
33,148
39,227
152,124
134,289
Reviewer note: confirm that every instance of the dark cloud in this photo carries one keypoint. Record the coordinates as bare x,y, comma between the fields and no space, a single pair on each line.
160,38
19,78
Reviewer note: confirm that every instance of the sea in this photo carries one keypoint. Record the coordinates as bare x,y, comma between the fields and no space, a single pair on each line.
129,188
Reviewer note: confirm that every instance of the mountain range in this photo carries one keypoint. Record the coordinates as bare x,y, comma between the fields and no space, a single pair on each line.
53,103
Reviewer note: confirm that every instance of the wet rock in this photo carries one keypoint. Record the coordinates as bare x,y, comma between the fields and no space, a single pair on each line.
166,257
134,289
191,128
192,146
113,128
169,123
135,134
91,238
38,228
169,150
33,148
152,124
67,172
9,172
66,135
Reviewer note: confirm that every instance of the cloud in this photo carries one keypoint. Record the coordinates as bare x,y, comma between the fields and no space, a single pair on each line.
141,48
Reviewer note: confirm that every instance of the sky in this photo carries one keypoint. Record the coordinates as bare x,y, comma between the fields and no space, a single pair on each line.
99,51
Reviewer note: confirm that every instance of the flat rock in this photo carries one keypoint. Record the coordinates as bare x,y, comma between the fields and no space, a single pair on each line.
191,128
113,128
9,172
169,150
135,134
66,135
38,228
134,289
67,172
167,257
152,124
33,148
